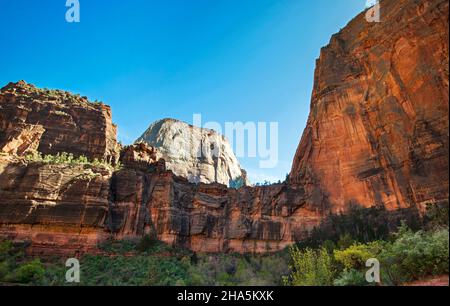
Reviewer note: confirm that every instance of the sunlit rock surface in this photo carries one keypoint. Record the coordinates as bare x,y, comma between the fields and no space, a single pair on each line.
378,129
200,155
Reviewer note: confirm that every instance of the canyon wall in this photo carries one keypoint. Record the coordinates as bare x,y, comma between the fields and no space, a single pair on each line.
60,208
377,135
206,217
70,208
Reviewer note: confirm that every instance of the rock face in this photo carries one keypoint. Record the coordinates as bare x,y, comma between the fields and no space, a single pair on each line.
378,129
377,135
200,155
60,208
207,217
54,121
69,209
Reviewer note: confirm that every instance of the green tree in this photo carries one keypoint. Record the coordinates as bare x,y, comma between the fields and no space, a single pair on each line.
310,267
29,272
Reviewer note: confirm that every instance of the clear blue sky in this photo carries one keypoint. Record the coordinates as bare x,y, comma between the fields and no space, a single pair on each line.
230,60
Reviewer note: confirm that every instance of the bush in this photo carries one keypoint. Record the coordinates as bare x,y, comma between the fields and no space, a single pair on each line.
146,244
28,273
437,216
406,257
157,264
118,246
237,269
415,255
351,277
355,256
310,268
69,159
5,269
345,241
362,225
5,249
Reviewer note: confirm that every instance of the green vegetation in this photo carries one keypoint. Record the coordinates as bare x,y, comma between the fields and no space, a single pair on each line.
351,278
437,216
236,269
56,95
310,267
361,225
144,262
415,255
356,255
237,183
16,268
405,255
69,159
408,247
268,183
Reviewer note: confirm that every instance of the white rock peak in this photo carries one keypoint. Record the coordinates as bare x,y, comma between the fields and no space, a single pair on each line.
200,155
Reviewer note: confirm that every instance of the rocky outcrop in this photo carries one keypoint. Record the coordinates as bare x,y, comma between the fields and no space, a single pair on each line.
54,121
141,156
200,155
378,129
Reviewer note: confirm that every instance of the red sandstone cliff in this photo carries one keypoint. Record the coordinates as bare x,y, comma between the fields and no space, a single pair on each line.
70,208
378,129
377,135
53,121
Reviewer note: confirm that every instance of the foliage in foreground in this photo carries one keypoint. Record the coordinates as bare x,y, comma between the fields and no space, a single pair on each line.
407,257
311,267
145,263
15,268
414,255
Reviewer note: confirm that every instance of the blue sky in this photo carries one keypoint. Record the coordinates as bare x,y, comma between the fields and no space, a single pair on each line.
228,60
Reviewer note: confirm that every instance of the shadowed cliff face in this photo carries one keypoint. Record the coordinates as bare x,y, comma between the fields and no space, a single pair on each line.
377,135
378,129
